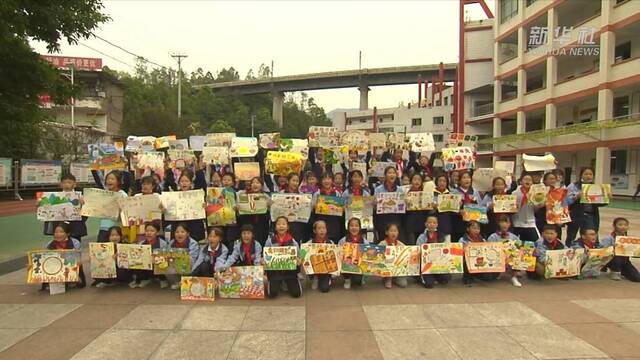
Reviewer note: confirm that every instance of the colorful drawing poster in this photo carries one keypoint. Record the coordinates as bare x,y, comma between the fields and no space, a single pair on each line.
295,207
150,161
442,258
378,140
563,263
297,146
321,136
241,282
485,257
360,207
134,256
458,158
538,163
180,159
220,207
472,212
350,258
183,205
449,202
171,261
505,204
390,203
520,255
403,260
557,213
329,205
319,258
53,266
421,142
627,246
595,193
246,171
483,178
419,200
82,172
283,163
137,144
196,142
100,203
251,204
40,172
538,194
58,206
460,139
596,260
508,167
164,142
137,210
355,140
373,260
219,139
194,288
107,156
243,147
280,258
215,155
179,144
379,167
103,264
395,140
270,141
360,166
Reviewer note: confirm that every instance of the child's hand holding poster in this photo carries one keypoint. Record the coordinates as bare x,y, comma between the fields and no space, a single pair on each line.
449,202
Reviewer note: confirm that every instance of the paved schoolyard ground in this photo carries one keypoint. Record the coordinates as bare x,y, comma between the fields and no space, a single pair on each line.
553,319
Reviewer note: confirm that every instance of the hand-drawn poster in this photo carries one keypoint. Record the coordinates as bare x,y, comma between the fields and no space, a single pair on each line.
215,155
107,156
270,141
390,203
103,264
179,144
378,140
297,146
40,172
421,142
373,260
241,282
134,256
150,161
243,147
295,207
395,140
403,260
360,207
355,140
180,159
378,168
350,258
458,158
58,206
508,167
171,261
322,136
563,263
53,266
537,194
220,207
196,142
194,288
538,163
483,178
164,142
246,171
627,246
485,257
280,258
596,259
595,193
329,205
449,202
472,212
100,203
460,139
520,255
319,258
442,258
557,213
251,204
183,205
283,163
419,200
219,139
138,210
505,204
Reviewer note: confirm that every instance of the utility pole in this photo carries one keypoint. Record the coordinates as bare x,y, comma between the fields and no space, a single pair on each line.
253,121
179,56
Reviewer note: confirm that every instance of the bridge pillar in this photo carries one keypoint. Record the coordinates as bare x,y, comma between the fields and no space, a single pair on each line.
364,97
278,107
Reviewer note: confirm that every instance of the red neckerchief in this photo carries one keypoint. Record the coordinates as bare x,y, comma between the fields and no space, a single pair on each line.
525,198
153,241
587,245
432,237
60,245
331,191
503,234
400,164
282,187
354,239
389,188
316,240
213,254
391,243
339,188
466,197
246,249
474,238
552,245
291,191
356,190
182,245
283,240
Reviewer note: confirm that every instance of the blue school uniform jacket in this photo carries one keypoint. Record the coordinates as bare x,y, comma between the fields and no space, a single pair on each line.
465,239
525,217
160,244
423,238
541,249
237,257
608,240
70,244
192,246
205,265
495,237
363,240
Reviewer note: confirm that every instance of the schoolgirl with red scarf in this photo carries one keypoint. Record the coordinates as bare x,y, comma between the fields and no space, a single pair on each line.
473,235
212,257
469,196
524,221
142,278
498,187
299,230
431,235
260,222
320,281
182,240
620,266
381,221
62,240
550,241
282,237
392,238
246,250
501,235
335,224
354,236
414,221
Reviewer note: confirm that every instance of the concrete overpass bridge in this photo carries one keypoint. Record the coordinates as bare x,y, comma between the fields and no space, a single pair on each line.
362,79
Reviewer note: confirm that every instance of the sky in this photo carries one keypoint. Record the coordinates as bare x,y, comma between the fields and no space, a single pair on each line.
298,36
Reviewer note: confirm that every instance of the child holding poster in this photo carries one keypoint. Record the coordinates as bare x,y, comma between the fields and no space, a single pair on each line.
246,251
299,230
212,257
182,240
230,231
550,241
392,232
620,265
188,181
503,234
335,224
469,196
524,221
381,221
429,236
550,181
445,219
414,221
498,187
62,240
473,236
112,182
260,222
582,215
354,236
142,278
355,187
122,275
78,228
282,237
320,281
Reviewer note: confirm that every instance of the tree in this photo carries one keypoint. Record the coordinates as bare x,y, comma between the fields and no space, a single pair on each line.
221,126
25,75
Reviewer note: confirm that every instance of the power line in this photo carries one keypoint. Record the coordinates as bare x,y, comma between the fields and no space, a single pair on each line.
130,53
109,56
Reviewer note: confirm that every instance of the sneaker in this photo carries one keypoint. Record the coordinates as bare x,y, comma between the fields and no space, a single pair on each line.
515,282
110,284
133,284
101,285
165,284
144,283
347,284
388,283
615,275
175,286
314,283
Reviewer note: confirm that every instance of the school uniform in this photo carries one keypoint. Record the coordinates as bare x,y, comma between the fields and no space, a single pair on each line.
469,196
445,219
276,277
428,237
122,275
414,223
492,225
620,264
231,232
107,223
360,239
542,246
582,215
297,229
69,244
468,278
380,221
400,281
401,165
580,244
77,229
498,236
245,254
524,221
324,280
159,243
197,227
260,222
190,245
335,224
210,260
414,164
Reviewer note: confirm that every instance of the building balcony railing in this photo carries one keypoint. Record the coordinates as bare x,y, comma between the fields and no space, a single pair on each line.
480,110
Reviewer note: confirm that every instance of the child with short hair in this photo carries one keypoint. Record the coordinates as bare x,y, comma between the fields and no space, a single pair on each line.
354,236
392,238
473,236
310,184
78,228
213,256
320,281
142,278
503,234
431,235
62,240
282,237
620,265
122,275
246,250
550,241
182,240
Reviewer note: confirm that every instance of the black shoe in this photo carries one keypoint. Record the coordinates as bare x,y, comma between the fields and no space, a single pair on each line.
94,283
428,286
81,285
